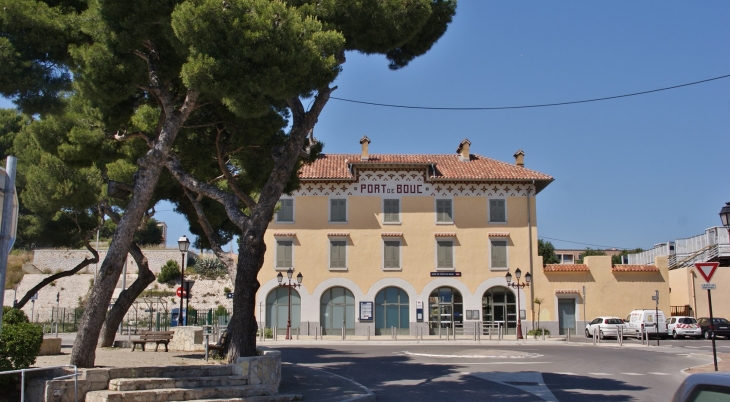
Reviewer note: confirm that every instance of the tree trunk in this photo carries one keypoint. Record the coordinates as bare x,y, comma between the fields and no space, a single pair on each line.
242,328
126,298
150,166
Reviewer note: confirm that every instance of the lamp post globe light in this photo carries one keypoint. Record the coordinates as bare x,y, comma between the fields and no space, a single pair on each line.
517,285
725,215
289,285
183,243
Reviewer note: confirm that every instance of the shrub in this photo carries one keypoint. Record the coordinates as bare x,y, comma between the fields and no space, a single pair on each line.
209,268
20,342
538,332
169,272
226,290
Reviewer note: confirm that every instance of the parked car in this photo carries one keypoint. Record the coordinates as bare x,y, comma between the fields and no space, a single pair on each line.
704,387
683,326
605,326
639,321
721,327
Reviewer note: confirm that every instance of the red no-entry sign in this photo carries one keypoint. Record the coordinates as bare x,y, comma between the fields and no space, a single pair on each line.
180,293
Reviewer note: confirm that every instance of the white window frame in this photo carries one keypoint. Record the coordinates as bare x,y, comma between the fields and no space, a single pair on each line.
489,210
400,211
400,253
330,239
276,252
436,253
293,204
329,210
564,261
436,213
502,239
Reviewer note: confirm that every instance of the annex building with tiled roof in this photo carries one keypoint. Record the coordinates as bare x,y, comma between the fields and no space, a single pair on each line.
416,244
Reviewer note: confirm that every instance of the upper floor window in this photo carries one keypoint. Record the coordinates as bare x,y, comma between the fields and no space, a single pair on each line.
338,210
286,210
444,212
445,254
498,254
497,210
391,211
338,254
284,254
391,254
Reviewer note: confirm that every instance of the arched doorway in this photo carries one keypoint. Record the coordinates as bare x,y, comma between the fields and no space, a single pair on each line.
277,309
500,306
446,310
337,310
391,310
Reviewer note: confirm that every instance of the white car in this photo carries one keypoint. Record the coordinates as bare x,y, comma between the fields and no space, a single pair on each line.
604,326
683,326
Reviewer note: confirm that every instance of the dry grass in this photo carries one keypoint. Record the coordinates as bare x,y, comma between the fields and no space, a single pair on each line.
15,272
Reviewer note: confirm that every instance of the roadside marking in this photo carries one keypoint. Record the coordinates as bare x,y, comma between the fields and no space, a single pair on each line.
632,374
531,382
470,363
659,373
600,374
566,373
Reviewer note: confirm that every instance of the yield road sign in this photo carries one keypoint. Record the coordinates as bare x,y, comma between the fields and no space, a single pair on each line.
707,269
708,286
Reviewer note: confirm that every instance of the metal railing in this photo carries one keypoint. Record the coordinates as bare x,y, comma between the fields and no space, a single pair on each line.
22,372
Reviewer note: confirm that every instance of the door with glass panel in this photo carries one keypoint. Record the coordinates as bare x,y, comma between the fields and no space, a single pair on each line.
499,308
277,310
337,311
446,310
566,316
391,310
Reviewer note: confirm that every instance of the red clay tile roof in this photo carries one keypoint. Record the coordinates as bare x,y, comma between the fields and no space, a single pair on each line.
567,292
391,234
447,168
498,234
566,268
338,234
634,268
445,234
285,234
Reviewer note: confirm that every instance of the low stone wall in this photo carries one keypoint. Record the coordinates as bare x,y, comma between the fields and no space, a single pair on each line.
187,338
262,372
50,346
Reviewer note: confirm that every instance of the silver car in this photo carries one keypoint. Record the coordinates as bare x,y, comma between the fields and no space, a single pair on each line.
604,326
704,387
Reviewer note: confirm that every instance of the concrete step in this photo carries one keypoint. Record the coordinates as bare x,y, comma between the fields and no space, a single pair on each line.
171,371
137,384
177,394
269,398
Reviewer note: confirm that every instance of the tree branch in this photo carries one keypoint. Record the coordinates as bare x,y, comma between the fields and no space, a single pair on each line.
250,203
229,201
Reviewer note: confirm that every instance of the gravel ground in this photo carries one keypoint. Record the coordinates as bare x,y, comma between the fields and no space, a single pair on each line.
118,357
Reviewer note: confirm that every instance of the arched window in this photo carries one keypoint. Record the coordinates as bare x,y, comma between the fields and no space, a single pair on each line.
337,310
391,310
499,308
446,310
277,309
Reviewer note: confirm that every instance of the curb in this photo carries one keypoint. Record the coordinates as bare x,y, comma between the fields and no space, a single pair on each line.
684,371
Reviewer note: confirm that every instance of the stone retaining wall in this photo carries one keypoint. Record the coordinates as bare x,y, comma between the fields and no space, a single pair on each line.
187,338
64,260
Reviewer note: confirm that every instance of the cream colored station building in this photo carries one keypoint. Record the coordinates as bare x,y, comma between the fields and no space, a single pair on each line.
421,241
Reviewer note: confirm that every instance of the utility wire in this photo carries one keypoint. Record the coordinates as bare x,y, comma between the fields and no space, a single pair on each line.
532,106
585,244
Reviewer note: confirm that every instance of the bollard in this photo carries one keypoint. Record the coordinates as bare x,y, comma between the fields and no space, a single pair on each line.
597,334
321,333
207,338
368,332
316,332
499,331
439,331
421,330
475,332
447,334
543,334
568,334
594,337
298,333
343,334
395,334
276,334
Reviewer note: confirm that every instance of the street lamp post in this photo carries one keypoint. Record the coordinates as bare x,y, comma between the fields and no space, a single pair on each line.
517,285
289,285
183,243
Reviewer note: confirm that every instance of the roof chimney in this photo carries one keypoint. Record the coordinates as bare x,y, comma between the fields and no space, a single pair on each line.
463,150
364,141
520,158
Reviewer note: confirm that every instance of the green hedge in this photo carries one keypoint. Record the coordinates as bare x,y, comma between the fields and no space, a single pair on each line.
20,342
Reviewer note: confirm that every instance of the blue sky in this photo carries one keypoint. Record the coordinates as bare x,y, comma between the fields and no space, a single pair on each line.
629,172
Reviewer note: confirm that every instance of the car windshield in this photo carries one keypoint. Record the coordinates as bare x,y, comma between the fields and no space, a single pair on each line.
687,321
614,321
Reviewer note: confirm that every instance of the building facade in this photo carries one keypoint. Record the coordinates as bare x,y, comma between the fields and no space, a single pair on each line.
422,243
404,241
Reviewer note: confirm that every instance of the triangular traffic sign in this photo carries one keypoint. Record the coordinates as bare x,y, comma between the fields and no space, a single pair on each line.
707,269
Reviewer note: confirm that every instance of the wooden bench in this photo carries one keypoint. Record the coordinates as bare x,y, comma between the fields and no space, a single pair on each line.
158,337
221,345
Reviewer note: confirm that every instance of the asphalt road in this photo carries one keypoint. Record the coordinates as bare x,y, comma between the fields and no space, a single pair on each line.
574,371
